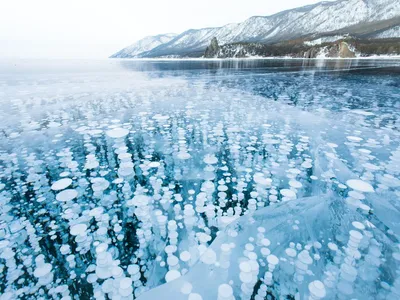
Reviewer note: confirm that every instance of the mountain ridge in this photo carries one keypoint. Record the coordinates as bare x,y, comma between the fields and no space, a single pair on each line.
143,45
310,20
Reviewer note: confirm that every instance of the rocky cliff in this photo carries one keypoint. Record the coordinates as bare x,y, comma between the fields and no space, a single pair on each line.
338,49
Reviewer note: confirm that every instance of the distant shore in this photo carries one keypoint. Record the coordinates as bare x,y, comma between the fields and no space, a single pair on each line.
258,58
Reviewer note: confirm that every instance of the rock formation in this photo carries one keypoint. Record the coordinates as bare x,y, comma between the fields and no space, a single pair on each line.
212,49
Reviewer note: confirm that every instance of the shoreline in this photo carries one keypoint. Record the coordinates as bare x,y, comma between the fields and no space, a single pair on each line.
396,57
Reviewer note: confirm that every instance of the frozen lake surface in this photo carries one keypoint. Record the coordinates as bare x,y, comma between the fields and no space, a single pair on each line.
234,179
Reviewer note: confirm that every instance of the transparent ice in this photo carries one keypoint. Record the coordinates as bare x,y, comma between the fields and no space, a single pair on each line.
205,184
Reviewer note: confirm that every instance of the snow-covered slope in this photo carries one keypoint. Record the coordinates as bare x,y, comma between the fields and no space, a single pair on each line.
290,24
393,32
146,44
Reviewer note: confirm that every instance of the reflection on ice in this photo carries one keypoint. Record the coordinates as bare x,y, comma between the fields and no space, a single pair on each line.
118,186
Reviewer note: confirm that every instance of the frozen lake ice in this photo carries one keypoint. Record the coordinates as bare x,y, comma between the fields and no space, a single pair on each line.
213,179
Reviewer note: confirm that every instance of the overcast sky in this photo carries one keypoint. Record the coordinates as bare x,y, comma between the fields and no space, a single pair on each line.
98,28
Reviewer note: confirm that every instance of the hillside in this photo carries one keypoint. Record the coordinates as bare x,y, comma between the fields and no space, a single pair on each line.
342,48
366,19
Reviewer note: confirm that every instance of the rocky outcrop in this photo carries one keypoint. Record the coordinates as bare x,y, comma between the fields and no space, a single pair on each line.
213,49
344,51
332,50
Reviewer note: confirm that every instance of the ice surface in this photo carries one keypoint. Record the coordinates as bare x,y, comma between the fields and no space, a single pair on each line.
238,185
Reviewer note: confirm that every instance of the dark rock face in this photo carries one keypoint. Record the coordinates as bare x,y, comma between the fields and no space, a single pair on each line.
311,53
213,49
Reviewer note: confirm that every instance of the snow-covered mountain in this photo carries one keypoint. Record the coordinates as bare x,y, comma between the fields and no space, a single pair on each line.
146,44
290,24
